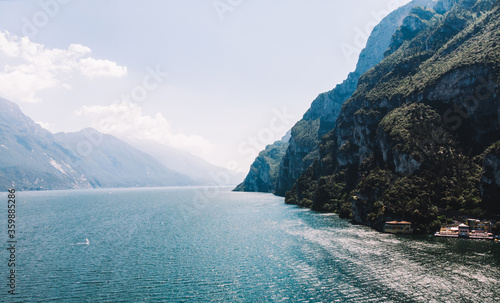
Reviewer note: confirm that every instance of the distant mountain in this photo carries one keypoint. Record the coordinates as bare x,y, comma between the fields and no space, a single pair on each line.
196,168
32,158
114,163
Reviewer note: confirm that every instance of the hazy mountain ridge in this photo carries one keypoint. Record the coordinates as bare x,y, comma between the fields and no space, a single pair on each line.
197,169
114,163
32,158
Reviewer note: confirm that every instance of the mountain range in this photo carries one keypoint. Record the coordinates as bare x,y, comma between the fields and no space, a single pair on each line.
303,146
32,158
415,135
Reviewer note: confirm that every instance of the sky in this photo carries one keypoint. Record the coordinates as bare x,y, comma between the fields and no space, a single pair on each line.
220,79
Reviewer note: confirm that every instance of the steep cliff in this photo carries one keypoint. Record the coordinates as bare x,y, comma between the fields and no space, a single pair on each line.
303,149
264,170
490,179
403,145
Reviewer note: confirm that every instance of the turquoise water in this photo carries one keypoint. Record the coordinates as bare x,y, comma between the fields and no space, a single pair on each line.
211,245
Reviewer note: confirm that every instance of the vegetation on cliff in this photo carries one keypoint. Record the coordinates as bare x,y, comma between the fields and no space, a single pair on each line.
303,148
418,140
264,170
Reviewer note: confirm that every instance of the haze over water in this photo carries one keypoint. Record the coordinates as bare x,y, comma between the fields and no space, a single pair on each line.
238,247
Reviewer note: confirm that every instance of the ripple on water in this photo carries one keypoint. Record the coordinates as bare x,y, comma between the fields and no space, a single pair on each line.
145,246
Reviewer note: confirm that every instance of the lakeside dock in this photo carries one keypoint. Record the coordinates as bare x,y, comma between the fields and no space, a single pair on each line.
474,229
479,237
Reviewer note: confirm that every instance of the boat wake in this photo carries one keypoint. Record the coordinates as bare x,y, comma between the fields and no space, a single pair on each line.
87,242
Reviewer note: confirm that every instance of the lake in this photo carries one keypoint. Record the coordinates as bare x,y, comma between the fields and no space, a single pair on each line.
213,245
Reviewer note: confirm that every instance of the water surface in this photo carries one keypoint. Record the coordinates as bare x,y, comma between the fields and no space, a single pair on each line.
210,245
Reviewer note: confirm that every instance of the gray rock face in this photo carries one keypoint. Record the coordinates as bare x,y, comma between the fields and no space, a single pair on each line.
457,92
444,5
404,163
301,153
264,170
447,70
490,180
491,168
361,208
322,116
419,19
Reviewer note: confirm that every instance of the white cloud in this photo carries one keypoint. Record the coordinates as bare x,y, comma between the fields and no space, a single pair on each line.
26,67
127,120
46,125
101,68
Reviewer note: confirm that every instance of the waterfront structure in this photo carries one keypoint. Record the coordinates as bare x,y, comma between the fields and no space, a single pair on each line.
398,227
478,225
449,230
474,229
463,231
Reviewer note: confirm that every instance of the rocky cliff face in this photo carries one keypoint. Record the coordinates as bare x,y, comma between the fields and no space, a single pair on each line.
490,179
403,144
303,148
321,117
264,170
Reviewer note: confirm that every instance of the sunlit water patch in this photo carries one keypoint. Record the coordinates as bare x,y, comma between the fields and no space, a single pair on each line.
156,245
